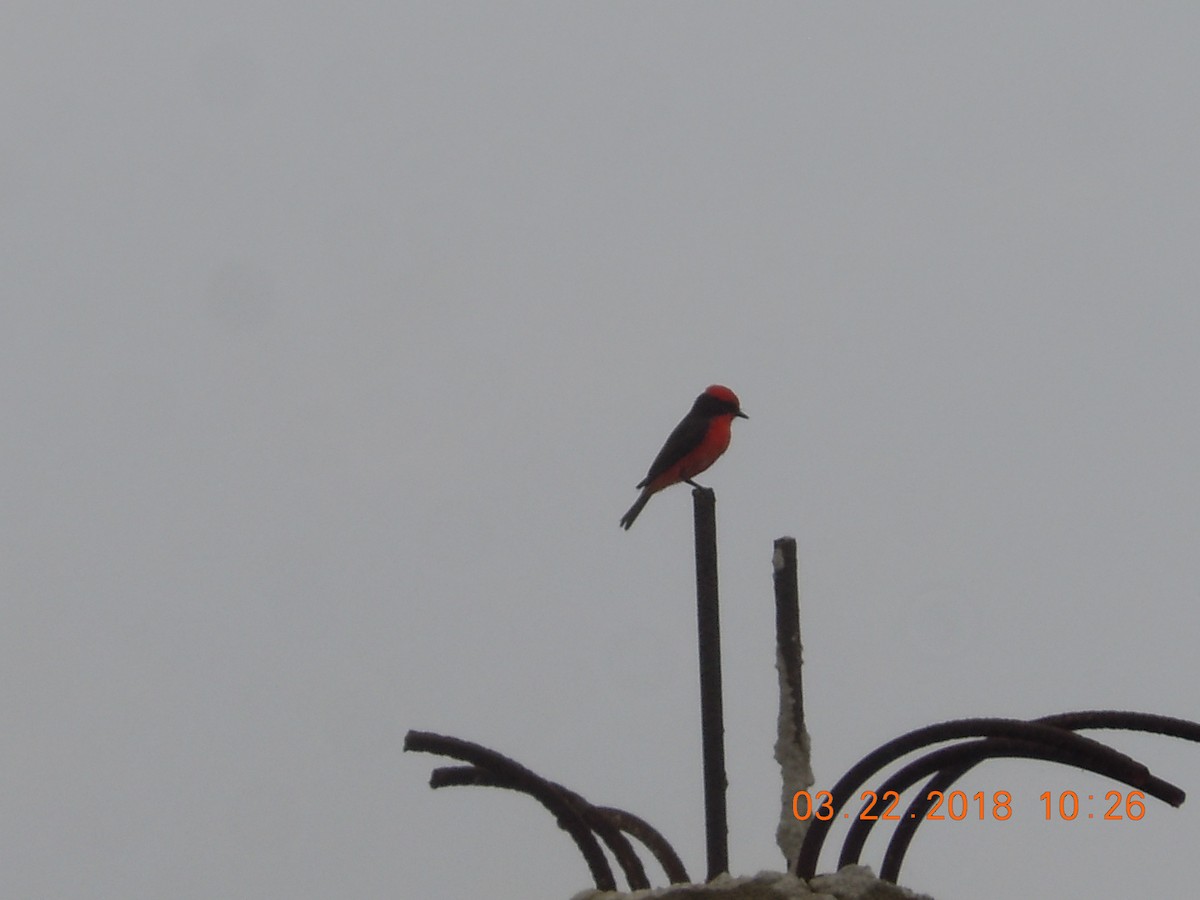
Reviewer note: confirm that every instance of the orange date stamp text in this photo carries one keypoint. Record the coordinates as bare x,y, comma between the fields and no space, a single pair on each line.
955,806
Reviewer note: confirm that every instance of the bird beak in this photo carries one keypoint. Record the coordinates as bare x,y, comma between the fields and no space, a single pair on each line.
741,415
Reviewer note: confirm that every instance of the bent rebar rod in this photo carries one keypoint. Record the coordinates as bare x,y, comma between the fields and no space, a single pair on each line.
1150,723
806,862
1118,767
600,823
569,818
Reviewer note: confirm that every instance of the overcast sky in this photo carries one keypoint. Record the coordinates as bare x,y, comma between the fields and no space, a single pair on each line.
335,339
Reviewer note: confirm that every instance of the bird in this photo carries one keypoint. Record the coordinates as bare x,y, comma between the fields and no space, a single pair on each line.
696,443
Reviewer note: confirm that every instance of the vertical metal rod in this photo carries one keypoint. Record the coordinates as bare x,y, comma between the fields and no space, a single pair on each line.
787,622
712,717
792,748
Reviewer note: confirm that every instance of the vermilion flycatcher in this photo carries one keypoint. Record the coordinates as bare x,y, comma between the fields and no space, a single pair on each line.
695,444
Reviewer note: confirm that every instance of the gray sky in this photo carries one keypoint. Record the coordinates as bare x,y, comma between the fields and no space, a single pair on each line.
334,341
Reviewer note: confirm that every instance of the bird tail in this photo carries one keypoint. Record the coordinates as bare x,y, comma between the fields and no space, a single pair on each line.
627,519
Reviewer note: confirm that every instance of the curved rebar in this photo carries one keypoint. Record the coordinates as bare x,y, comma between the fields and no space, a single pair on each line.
1126,720
1151,723
1117,767
650,837
806,862
602,824
564,810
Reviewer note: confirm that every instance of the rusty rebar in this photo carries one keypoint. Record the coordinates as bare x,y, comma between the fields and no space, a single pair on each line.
787,624
569,817
914,740
792,748
604,825
1114,765
1151,723
650,837
712,719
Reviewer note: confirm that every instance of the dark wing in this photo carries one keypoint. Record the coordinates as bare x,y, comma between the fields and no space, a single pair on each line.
683,440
